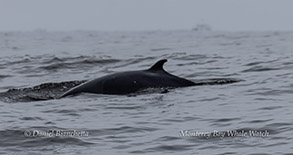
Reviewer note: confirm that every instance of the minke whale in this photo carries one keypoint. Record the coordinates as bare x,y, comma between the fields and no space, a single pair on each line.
124,83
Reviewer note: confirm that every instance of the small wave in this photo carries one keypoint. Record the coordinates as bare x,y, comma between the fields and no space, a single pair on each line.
63,112
185,56
258,121
262,62
226,119
161,49
33,142
56,66
28,64
80,62
4,76
270,108
260,69
273,92
167,148
108,132
254,63
31,118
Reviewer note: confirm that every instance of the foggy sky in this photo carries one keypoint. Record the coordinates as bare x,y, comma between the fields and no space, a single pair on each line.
128,15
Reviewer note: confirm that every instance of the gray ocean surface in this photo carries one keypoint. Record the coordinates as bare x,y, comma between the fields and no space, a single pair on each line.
253,116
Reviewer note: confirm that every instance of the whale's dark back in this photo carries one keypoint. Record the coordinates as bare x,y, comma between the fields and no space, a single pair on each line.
132,81
129,82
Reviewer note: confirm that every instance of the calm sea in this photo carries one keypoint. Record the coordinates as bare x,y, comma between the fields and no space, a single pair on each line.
252,116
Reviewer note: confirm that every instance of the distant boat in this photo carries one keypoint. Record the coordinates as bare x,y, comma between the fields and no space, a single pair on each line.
202,27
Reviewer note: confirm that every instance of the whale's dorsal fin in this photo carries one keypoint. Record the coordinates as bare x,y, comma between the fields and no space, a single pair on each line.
158,66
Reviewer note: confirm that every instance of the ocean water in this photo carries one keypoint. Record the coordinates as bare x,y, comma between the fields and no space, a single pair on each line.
251,116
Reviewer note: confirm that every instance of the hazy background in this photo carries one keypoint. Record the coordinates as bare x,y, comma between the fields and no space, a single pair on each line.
128,15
